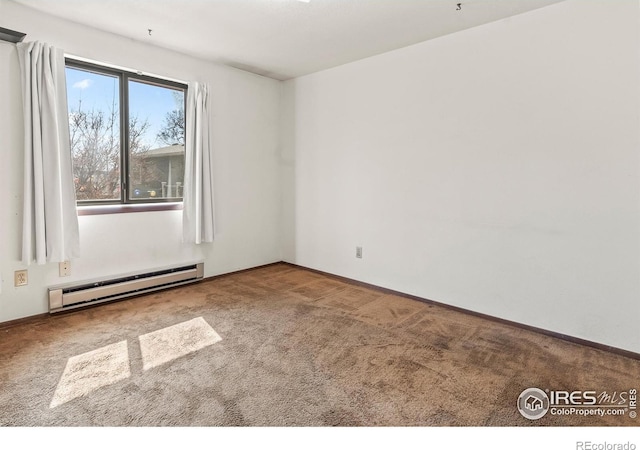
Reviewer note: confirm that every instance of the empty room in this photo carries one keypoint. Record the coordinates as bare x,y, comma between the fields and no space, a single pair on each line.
321,213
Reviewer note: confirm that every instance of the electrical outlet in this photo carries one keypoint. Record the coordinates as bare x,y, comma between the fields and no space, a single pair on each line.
21,278
65,268
359,252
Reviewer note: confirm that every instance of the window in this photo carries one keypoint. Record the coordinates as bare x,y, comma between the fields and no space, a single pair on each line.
127,136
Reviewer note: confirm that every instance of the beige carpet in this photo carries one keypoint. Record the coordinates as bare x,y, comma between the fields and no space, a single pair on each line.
283,346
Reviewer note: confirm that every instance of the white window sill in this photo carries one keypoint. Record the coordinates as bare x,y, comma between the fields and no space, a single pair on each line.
91,210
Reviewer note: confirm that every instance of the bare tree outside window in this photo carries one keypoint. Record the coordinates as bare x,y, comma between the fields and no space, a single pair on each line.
172,131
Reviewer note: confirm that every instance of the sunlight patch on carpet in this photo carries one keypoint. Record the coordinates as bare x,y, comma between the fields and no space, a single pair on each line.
92,370
175,341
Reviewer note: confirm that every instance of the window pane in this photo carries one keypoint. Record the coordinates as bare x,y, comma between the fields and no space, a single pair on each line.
156,141
94,126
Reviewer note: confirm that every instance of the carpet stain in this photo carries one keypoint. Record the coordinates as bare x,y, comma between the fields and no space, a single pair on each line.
233,415
339,418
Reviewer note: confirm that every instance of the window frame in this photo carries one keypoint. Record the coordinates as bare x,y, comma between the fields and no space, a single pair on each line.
126,204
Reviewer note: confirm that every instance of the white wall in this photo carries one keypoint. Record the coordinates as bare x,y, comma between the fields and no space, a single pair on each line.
245,131
496,169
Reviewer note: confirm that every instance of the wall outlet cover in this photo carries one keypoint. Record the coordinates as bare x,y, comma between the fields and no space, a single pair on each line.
65,268
21,278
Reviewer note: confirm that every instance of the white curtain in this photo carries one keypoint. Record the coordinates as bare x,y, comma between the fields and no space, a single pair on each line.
50,220
197,213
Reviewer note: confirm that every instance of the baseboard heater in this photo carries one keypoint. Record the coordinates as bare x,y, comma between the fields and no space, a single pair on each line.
63,298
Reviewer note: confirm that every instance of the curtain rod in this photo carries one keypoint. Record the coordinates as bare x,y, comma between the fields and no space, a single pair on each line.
11,35
128,69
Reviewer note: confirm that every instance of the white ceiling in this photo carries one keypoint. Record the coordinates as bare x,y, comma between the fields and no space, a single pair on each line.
283,39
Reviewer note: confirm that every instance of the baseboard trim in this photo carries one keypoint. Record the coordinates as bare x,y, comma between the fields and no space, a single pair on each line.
29,320
236,272
564,337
